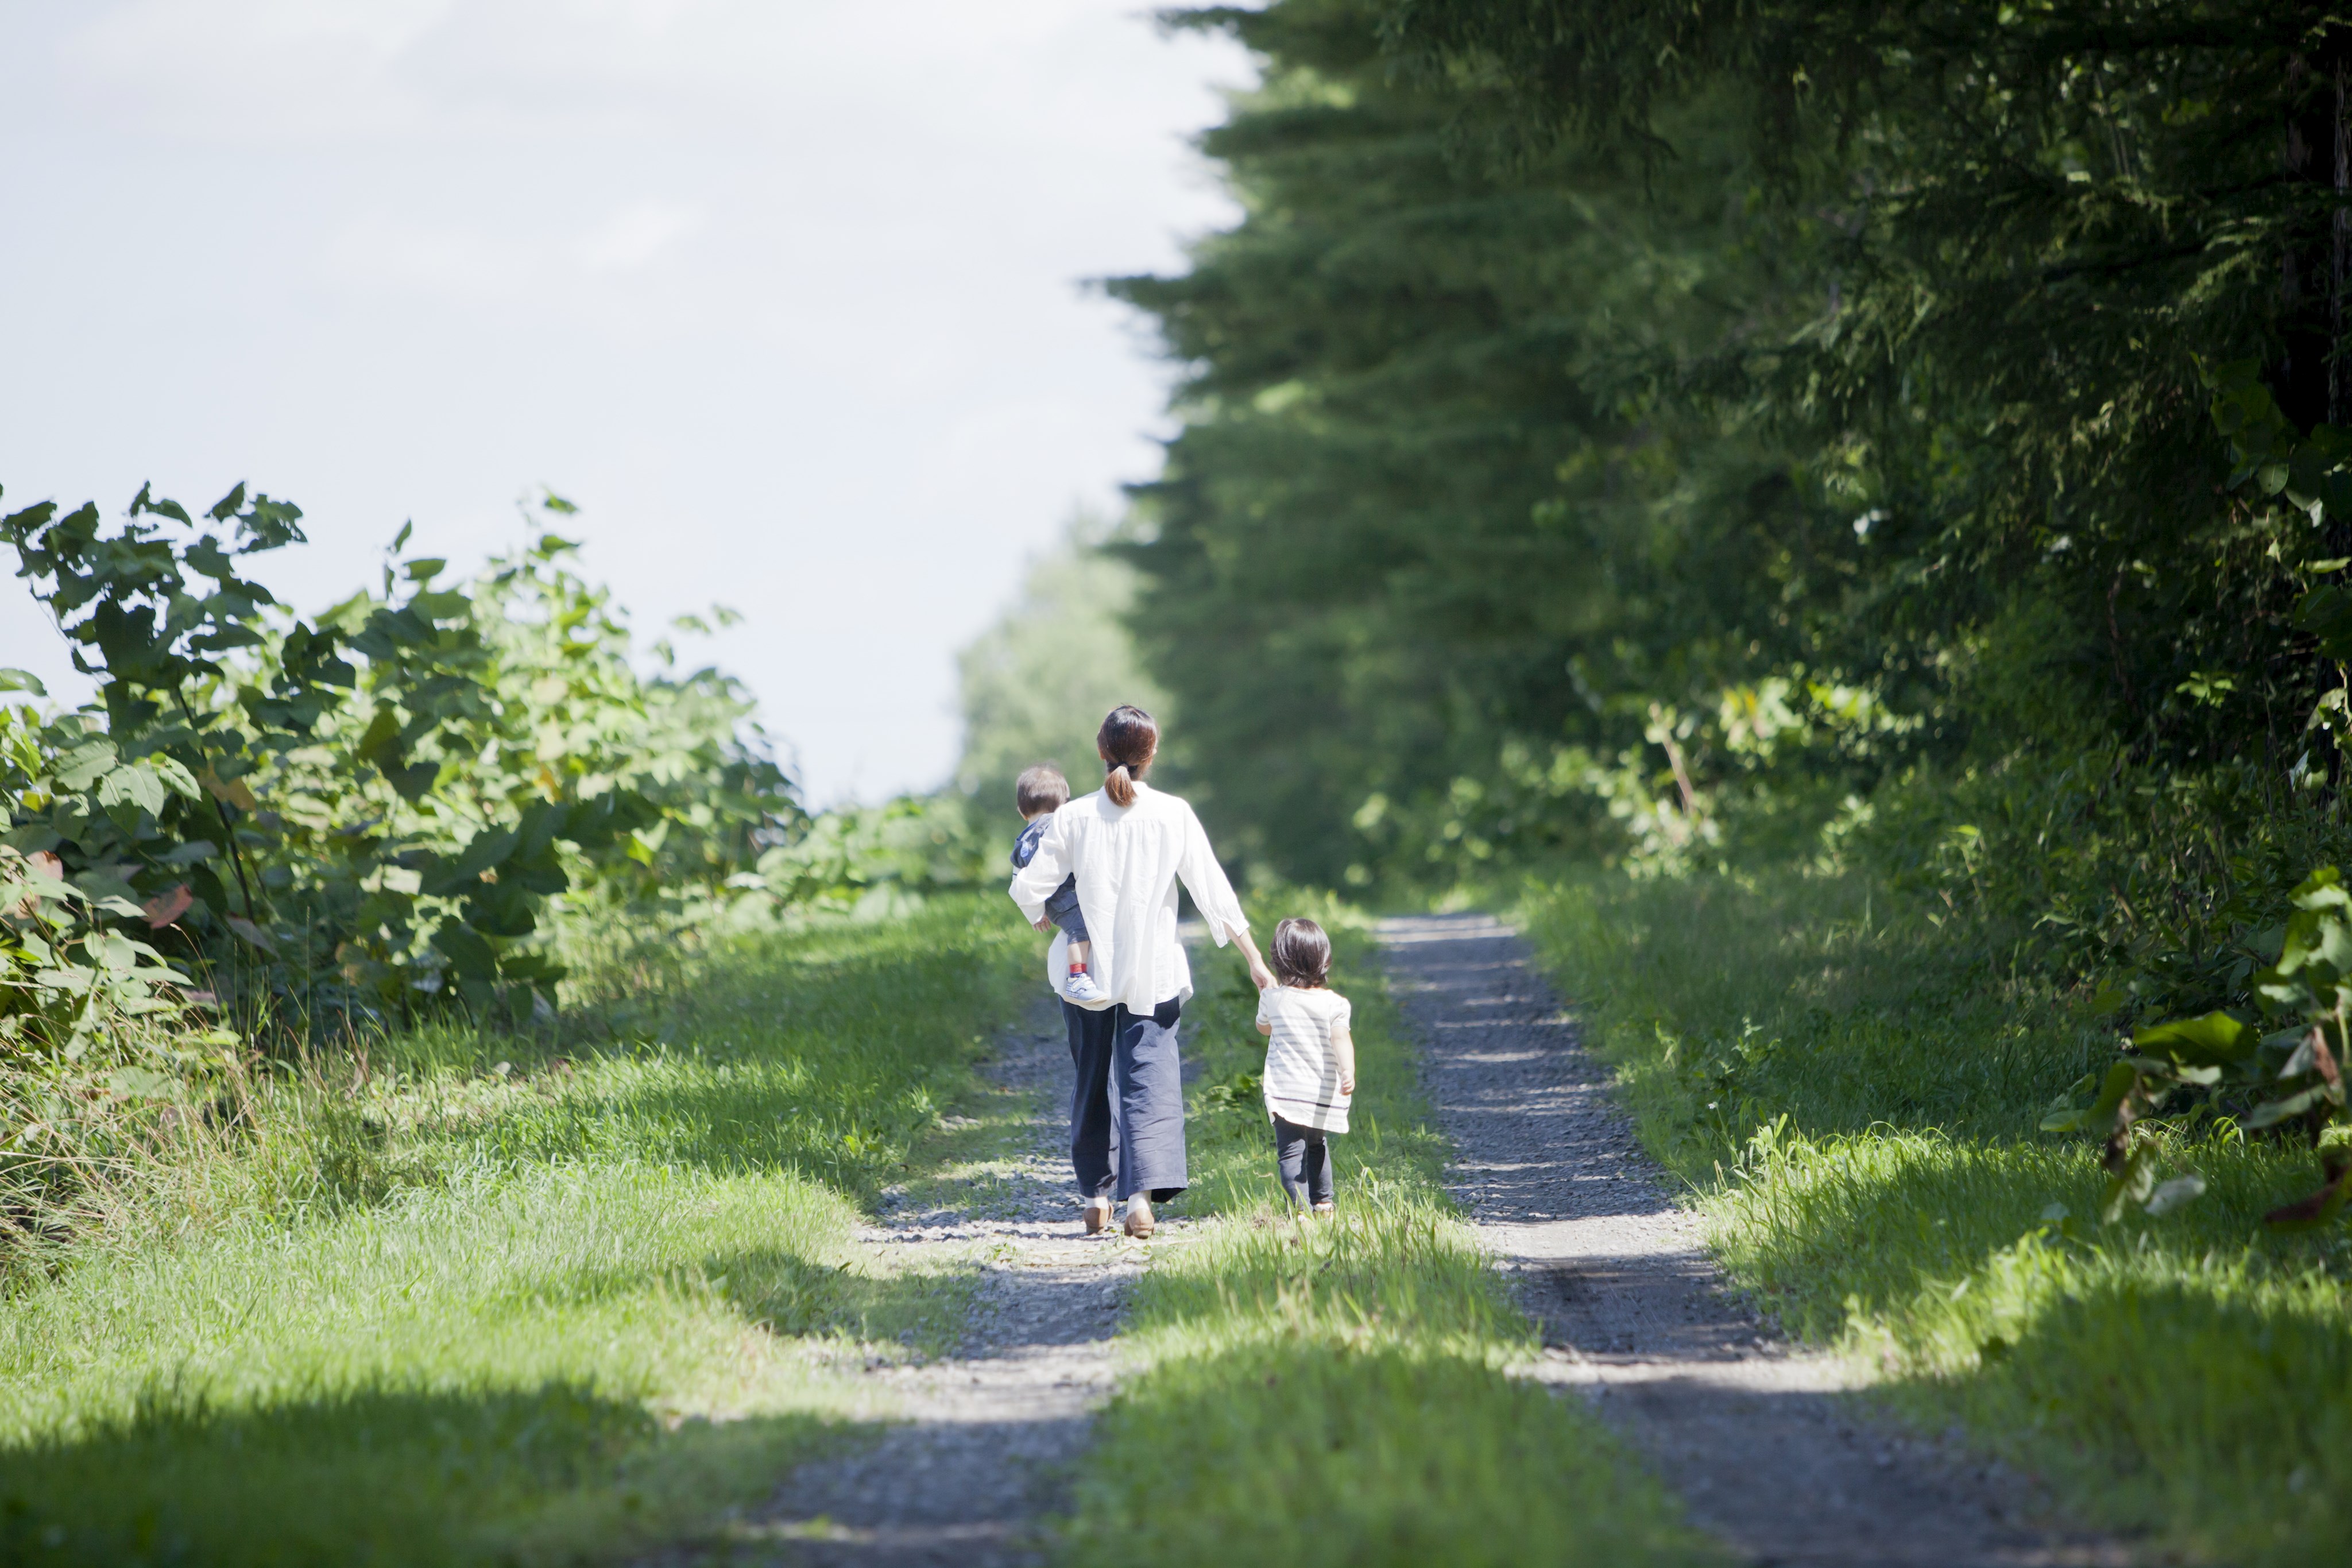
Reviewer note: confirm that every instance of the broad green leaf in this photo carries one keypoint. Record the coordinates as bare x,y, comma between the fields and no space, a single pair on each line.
86,764
487,849
137,785
469,955
2287,1110
252,932
177,777
234,792
2322,889
2217,1039
383,732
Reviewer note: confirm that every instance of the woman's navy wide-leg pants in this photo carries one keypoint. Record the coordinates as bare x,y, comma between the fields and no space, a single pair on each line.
1127,1105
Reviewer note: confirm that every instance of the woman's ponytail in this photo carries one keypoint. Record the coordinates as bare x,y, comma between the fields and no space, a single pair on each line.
1126,740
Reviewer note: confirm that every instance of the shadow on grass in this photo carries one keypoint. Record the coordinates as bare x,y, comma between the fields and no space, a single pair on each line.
560,1473
828,1053
790,1295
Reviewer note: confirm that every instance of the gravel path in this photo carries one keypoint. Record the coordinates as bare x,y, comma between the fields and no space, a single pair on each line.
1756,1435
989,1433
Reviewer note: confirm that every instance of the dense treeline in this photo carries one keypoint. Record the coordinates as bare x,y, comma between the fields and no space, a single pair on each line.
1668,431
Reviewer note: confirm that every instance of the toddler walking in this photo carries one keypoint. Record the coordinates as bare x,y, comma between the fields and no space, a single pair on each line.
1037,795
1310,1061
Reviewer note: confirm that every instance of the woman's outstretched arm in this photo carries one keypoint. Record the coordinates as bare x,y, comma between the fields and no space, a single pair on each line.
1260,976
1212,893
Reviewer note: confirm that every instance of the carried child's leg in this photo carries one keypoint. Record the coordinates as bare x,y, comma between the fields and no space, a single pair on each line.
1079,984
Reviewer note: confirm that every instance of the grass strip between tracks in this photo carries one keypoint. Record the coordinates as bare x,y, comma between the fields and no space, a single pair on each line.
539,1307
1337,1391
2190,1373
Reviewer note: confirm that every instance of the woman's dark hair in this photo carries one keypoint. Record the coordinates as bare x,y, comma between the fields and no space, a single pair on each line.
1302,954
1126,740
1041,788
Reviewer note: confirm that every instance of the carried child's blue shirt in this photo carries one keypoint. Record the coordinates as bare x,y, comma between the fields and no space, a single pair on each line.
1062,905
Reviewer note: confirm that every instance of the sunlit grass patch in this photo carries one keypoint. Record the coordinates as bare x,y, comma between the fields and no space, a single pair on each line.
2189,1372
516,1303
1394,1269
467,1360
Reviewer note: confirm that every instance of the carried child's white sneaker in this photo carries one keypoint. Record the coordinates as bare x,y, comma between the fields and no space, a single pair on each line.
1081,987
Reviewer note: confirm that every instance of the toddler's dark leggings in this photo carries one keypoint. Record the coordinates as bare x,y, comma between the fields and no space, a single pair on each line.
1304,1159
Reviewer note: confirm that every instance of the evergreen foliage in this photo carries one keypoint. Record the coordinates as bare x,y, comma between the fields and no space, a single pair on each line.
1645,428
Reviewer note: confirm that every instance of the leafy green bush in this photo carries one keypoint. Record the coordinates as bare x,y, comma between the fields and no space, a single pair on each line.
2289,1077
433,801
381,799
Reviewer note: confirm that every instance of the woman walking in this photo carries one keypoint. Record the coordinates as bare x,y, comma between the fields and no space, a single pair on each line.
1128,846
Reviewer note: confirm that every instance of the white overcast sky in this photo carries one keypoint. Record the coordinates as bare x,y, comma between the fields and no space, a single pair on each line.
786,293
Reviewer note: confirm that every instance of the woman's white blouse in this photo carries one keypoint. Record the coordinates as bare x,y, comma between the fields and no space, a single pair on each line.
1127,860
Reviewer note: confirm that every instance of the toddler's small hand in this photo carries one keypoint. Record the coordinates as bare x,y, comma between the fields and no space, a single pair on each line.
1347,1086
1044,923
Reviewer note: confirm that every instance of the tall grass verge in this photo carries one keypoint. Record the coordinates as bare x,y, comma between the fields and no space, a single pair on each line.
505,1299
1338,1391
1854,1097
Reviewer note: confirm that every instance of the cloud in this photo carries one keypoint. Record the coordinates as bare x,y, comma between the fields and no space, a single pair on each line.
633,238
781,290
507,262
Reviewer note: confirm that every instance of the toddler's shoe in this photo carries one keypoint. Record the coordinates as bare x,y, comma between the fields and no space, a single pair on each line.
1081,988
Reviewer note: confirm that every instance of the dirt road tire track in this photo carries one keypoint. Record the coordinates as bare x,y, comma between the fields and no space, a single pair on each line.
987,1437
1764,1441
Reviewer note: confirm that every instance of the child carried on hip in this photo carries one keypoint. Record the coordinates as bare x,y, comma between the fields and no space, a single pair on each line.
1037,795
1311,1062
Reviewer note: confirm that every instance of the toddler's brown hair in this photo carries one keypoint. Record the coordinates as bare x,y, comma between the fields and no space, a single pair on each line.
1302,953
1041,788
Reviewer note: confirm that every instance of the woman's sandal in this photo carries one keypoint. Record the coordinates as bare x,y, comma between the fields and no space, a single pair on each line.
1097,1215
1139,1223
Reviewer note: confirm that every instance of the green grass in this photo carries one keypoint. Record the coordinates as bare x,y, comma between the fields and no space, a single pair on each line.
2189,1374
1338,1391
505,1301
